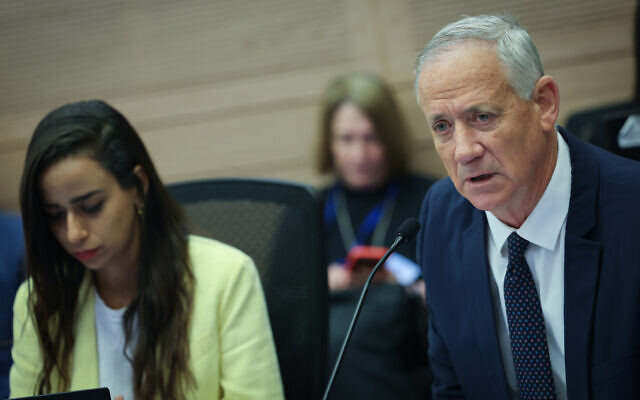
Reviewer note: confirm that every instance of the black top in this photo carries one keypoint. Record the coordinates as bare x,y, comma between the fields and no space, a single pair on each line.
412,189
387,355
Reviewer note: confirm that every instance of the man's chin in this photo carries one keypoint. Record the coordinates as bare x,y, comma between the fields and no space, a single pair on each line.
486,202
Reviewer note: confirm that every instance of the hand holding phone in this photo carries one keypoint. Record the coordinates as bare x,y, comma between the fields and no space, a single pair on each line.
359,262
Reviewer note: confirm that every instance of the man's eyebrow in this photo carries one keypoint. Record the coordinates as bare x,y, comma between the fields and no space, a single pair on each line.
76,199
479,108
432,118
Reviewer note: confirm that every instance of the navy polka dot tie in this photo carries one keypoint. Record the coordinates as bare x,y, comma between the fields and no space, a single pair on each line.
526,326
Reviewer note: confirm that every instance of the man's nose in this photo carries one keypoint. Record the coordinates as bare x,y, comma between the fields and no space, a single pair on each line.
76,231
468,148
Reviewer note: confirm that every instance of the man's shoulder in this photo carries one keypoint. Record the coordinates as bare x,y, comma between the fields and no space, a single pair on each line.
610,181
444,208
618,171
443,188
443,196
614,171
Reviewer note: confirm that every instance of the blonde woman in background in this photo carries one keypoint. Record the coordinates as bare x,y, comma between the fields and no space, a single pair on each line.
364,143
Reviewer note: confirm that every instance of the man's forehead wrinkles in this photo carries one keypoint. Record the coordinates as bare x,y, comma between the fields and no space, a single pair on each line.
483,87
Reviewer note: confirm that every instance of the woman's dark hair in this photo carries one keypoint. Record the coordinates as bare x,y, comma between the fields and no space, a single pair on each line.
374,98
164,277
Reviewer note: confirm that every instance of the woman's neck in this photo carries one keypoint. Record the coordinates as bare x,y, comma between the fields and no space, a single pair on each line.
117,290
366,190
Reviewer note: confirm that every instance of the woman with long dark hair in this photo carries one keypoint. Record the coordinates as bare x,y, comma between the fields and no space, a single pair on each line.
119,295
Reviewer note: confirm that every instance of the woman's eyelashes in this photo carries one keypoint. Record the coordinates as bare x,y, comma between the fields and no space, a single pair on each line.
91,209
94,208
54,216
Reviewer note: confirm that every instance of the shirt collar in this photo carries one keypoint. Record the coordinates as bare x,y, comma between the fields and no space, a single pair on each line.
542,227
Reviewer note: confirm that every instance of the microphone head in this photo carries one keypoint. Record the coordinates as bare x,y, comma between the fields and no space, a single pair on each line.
408,229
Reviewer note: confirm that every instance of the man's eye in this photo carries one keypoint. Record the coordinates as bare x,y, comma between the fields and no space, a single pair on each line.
440,127
94,208
483,117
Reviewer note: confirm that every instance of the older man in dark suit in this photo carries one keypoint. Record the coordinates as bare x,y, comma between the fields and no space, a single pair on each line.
529,249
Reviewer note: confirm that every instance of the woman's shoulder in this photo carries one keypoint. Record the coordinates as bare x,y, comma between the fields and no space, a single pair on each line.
221,272
26,294
209,256
22,295
204,246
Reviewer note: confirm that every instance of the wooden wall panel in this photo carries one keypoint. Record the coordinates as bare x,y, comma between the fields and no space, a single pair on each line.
571,35
251,140
116,48
231,87
11,163
596,83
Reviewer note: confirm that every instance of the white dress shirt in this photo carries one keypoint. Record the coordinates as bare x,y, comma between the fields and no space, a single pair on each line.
116,372
545,229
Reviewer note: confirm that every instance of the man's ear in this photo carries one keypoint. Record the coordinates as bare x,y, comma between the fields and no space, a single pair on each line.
142,177
546,95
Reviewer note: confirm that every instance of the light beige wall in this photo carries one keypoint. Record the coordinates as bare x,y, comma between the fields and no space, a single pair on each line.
230,87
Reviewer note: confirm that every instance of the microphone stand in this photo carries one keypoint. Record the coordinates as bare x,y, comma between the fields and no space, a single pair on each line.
399,239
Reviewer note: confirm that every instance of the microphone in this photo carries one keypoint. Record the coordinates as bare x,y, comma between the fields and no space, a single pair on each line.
406,232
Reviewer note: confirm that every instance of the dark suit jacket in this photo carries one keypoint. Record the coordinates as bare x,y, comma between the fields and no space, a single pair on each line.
11,275
601,294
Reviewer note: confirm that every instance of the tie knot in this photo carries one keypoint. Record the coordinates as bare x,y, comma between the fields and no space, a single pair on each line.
516,245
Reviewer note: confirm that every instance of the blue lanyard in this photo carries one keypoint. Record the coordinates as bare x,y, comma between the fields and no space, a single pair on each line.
375,224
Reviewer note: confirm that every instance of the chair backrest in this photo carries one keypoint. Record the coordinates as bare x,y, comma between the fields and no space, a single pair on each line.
279,225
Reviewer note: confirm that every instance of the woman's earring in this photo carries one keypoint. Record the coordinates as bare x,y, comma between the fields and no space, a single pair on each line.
139,209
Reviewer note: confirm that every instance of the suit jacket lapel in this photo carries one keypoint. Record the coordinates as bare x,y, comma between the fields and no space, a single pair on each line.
476,276
582,267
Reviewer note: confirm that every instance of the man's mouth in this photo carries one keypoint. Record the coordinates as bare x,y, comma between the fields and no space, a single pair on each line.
480,178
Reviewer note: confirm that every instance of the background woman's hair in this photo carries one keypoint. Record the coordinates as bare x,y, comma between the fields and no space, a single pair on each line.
375,100
164,278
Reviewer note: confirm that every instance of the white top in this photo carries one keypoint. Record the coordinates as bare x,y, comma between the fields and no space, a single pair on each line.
116,372
545,229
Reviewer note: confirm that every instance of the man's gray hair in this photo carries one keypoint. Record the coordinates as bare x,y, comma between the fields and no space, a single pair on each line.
515,48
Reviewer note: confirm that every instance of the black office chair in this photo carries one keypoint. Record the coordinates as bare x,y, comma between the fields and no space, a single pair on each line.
601,126
279,225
